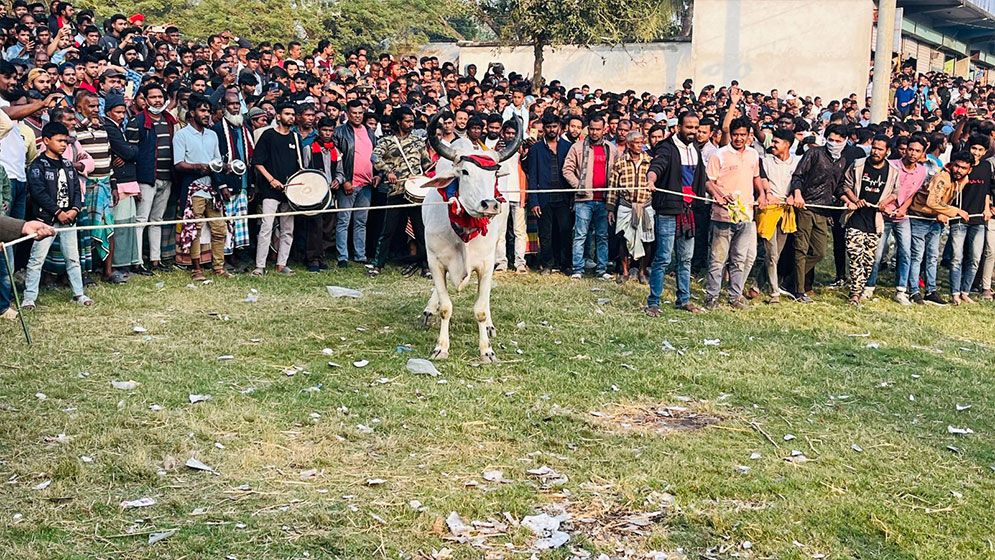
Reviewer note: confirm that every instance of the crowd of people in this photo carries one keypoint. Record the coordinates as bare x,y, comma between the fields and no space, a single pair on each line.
126,122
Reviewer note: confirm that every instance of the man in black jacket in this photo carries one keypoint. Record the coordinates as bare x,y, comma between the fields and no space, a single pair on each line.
354,181
152,130
677,167
815,181
55,189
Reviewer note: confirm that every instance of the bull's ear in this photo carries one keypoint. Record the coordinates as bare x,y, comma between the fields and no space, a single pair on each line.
440,181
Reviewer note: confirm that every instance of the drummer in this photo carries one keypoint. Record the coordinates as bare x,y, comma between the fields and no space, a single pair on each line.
277,156
323,157
398,157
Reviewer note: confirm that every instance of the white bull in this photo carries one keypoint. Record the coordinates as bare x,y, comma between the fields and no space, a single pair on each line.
456,251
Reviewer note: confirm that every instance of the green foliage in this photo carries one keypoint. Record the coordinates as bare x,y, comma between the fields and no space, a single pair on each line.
392,25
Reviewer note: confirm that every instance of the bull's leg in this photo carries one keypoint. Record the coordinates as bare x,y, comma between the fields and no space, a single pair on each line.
431,309
482,312
444,305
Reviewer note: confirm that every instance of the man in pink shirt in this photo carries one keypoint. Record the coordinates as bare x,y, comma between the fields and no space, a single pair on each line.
733,180
354,182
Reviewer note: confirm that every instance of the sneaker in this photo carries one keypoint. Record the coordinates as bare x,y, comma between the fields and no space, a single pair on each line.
935,298
88,280
322,265
373,272
901,298
575,276
711,302
803,298
606,276
917,299
314,267
652,310
343,264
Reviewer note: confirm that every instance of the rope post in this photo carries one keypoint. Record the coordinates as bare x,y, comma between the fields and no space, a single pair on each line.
13,289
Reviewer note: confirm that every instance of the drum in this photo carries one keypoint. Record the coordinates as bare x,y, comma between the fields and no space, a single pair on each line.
416,187
308,190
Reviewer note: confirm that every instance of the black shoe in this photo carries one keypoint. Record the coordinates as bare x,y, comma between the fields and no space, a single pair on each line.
803,298
409,271
87,280
917,299
343,264
141,270
322,265
935,298
314,267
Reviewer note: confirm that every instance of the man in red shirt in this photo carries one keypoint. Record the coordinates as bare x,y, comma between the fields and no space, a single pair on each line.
586,170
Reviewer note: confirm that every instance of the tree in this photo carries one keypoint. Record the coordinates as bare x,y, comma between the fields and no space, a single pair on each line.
541,24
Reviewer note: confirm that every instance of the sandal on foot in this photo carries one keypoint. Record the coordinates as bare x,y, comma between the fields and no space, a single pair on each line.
83,300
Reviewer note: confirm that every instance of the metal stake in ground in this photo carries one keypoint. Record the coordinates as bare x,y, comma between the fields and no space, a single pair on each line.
17,297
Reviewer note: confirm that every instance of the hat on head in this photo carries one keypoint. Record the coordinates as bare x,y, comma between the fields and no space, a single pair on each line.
133,20
256,112
112,73
113,100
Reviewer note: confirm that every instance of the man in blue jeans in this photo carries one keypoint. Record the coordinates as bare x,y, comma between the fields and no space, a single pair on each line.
677,169
586,169
932,208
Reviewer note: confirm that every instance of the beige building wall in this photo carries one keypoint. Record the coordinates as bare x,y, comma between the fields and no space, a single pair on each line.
816,47
653,67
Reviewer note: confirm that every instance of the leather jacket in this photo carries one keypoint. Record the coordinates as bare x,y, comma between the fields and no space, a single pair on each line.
345,143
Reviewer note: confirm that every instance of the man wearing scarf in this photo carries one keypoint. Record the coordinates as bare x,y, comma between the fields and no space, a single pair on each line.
321,228
677,167
152,129
236,143
98,197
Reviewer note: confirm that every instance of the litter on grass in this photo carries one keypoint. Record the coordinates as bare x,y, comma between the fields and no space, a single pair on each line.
340,292
194,399
139,503
125,385
959,431
197,465
161,536
420,366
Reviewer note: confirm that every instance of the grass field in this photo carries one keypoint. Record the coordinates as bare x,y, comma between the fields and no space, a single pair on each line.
666,442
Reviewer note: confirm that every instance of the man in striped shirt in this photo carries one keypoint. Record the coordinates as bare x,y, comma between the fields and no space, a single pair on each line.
100,197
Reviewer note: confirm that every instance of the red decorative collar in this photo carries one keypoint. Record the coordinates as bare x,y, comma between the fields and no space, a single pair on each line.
466,226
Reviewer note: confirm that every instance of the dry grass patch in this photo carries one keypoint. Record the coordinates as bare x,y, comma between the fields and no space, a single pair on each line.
653,419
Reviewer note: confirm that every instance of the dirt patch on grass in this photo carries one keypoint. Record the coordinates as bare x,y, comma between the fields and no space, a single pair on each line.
656,419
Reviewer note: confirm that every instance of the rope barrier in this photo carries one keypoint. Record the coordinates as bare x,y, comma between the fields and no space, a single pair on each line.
389,207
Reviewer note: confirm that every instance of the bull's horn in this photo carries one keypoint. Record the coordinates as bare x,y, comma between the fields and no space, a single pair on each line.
512,148
446,152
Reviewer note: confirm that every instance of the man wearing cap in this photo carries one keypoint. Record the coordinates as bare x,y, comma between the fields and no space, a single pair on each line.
111,82
236,145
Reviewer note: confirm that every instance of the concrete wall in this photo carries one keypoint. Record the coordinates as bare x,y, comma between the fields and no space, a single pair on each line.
816,47
654,67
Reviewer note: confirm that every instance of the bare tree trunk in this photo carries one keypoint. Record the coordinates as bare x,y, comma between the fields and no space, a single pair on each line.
537,49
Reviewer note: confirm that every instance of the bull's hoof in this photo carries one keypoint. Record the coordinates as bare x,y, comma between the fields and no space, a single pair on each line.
488,357
439,354
491,331
426,318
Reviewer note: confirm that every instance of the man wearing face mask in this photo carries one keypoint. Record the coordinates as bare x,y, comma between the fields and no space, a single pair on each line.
236,145
815,181
152,130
